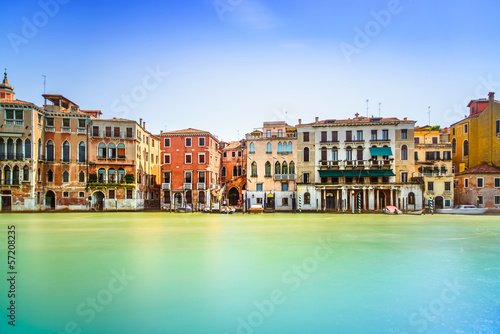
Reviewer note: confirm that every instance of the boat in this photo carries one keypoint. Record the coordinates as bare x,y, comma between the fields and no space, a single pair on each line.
392,210
256,208
185,208
418,212
463,210
228,209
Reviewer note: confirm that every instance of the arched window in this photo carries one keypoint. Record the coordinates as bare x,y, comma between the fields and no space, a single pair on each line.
101,150
111,175
235,171
307,198
121,175
26,173
251,149
306,154
335,154
223,172
454,145
65,152
7,175
15,175
269,148
121,150
49,151
290,148
268,169
19,149
359,153
111,150
466,147
280,147
284,168
40,150
348,153
65,176
82,156
101,175
411,198
39,175
285,148
292,167
10,149
324,154
27,148
50,176
81,176
254,169
277,168
404,152
2,149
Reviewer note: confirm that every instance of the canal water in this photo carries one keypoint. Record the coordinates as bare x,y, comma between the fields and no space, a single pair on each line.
105,273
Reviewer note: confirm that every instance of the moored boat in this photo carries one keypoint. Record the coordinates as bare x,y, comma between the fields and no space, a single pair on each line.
463,210
392,210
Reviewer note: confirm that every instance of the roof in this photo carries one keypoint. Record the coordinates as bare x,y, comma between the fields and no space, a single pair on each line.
232,145
185,131
360,120
56,97
14,101
116,119
483,169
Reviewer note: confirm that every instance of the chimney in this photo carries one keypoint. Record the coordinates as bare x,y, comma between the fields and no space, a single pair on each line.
144,125
300,121
405,119
316,119
140,122
491,95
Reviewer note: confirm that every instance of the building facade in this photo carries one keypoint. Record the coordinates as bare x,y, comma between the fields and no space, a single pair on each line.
233,171
357,164
271,163
479,185
190,166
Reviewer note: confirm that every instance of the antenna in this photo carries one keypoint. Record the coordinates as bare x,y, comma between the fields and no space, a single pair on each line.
367,101
44,86
429,113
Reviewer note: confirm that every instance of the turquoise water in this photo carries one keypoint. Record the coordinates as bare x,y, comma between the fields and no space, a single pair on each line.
276,273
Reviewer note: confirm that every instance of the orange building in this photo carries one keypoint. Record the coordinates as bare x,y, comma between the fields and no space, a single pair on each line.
233,171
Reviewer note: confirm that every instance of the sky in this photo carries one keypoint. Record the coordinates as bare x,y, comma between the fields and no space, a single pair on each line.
227,66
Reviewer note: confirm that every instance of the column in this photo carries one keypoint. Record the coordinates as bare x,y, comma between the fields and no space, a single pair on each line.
376,198
392,197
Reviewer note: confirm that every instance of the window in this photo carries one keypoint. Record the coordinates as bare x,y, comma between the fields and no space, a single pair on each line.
498,126
251,148
284,186
112,150
116,132
101,150
187,158
497,182
307,198
259,200
348,153
280,147
166,177
480,200
416,155
65,153
284,201
284,168
108,131
411,198
66,123
480,182
359,153
259,187
11,115
466,183
201,158
430,186
27,149
359,135
50,176
201,176
466,128
120,148
447,186
306,178
50,151
81,194
111,194
166,159
26,173
65,194
111,175
188,177
373,135
348,136
81,176
497,200
201,141
254,169
224,155
385,135
446,155
277,168
65,176
335,154
223,172
50,121
280,133
187,142
306,154
404,152
267,172
404,134
129,194
416,140
305,136
335,136
81,152
323,136
268,133
233,154
166,142
95,131
269,148
404,177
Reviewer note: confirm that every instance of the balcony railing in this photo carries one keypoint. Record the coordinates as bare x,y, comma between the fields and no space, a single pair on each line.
329,141
14,122
12,156
9,182
201,186
50,129
66,130
354,140
165,186
81,130
350,164
273,135
188,186
379,140
284,177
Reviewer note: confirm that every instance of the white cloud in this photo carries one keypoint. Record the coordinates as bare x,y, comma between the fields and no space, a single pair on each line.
253,14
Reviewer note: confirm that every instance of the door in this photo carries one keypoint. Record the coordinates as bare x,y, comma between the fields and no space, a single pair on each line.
330,201
438,203
6,204
50,200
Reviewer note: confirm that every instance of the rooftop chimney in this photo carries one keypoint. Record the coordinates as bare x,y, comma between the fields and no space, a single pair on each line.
300,121
405,119
316,119
144,125
140,122
491,95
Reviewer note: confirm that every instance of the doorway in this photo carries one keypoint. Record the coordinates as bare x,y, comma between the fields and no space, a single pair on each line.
50,200
98,201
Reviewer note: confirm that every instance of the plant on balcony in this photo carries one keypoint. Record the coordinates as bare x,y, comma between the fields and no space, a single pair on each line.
106,185
291,130
255,132
130,178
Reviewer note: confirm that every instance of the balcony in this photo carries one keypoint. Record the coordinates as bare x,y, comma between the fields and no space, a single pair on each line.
65,130
201,186
353,164
329,141
50,129
379,140
188,186
354,140
9,182
81,130
165,186
273,135
12,156
284,177
14,122
66,161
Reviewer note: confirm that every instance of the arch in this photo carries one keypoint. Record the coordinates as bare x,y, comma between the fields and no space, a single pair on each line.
81,176
111,175
335,153
50,200
324,154
50,176
10,149
277,168
269,148
19,149
284,168
101,150
223,171
101,175
280,147
290,147
454,145
26,173
40,149
7,175
65,176
267,169
15,175
27,148
251,148
98,198
82,154
121,175
233,196
305,154
120,150
291,168
348,153
285,148
235,171
65,151
2,149
49,150
307,198
466,147
112,150
359,153
411,198
254,169
404,152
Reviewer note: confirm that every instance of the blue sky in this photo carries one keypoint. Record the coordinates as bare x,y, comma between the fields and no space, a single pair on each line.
228,65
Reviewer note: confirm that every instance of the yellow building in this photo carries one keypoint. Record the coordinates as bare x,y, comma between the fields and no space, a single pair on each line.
476,139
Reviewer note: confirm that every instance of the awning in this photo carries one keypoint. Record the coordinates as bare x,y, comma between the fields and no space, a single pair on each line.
356,173
382,172
330,173
380,151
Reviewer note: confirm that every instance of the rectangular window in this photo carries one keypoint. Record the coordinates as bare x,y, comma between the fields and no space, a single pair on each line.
416,140
95,131
166,177
188,177
166,142
335,136
259,200
323,136
239,153
201,177
416,156
447,155
348,136
116,132
497,182
306,136
201,158
480,200
498,126
81,123
111,193
306,178
385,135
430,186
130,132
284,201
129,193
466,128
404,177
259,186
447,203
187,158
434,140
187,142
284,186
280,133
50,121
480,182
201,141
447,186
268,133
404,134
466,183
65,122
233,154
166,159
108,131
373,135
359,135
497,200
